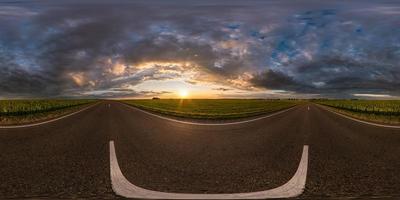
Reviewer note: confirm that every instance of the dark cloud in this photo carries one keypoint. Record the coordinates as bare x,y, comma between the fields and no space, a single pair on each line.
222,89
70,48
124,93
335,76
154,93
274,80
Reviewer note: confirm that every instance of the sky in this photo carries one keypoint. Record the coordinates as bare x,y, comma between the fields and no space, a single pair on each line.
199,49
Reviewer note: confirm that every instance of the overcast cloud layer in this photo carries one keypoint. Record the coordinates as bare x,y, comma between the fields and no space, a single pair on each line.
105,48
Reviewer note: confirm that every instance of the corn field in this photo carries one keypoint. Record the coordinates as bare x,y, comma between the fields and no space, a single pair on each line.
376,107
24,107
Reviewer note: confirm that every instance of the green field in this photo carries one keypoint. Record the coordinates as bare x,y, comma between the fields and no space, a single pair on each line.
26,111
384,111
213,108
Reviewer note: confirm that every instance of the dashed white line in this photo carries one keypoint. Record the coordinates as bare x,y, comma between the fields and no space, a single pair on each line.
209,124
121,186
45,122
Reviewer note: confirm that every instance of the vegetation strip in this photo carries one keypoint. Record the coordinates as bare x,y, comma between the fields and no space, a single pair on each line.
381,111
14,112
213,108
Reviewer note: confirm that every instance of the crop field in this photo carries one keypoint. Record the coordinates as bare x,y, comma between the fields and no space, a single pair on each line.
385,111
213,108
25,111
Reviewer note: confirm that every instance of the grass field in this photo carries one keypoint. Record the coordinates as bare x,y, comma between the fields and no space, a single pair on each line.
213,108
27,111
383,111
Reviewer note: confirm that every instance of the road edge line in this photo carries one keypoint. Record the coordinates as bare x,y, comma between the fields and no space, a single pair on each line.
122,187
210,124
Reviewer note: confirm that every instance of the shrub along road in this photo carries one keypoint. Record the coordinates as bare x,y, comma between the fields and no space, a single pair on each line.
69,158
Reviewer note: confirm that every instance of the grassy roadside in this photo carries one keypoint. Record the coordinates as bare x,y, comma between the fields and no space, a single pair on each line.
212,108
14,112
380,111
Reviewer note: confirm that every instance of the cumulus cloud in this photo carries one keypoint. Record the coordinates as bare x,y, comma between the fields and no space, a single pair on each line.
97,48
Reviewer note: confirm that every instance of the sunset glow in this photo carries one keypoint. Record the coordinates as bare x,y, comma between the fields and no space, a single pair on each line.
183,93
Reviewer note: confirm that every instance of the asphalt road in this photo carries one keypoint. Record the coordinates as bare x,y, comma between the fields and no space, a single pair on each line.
69,158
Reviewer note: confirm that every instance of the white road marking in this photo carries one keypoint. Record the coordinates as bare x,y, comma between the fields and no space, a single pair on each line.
45,122
121,186
357,120
209,124
308,107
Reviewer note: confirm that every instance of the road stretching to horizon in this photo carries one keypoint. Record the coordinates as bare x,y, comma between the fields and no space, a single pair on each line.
70,157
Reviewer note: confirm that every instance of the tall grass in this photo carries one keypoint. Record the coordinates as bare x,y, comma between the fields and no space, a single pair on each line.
386,111
382,107
27,107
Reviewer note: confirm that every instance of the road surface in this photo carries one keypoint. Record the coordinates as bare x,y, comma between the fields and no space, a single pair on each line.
70,158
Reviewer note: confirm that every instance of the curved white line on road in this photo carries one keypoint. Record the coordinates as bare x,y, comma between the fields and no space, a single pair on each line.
209,124
45,122
121,186
358,120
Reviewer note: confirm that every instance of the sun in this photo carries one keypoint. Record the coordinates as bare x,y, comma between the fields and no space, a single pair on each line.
183,93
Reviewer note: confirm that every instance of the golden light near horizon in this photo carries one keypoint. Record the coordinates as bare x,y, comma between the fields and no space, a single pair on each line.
183,93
